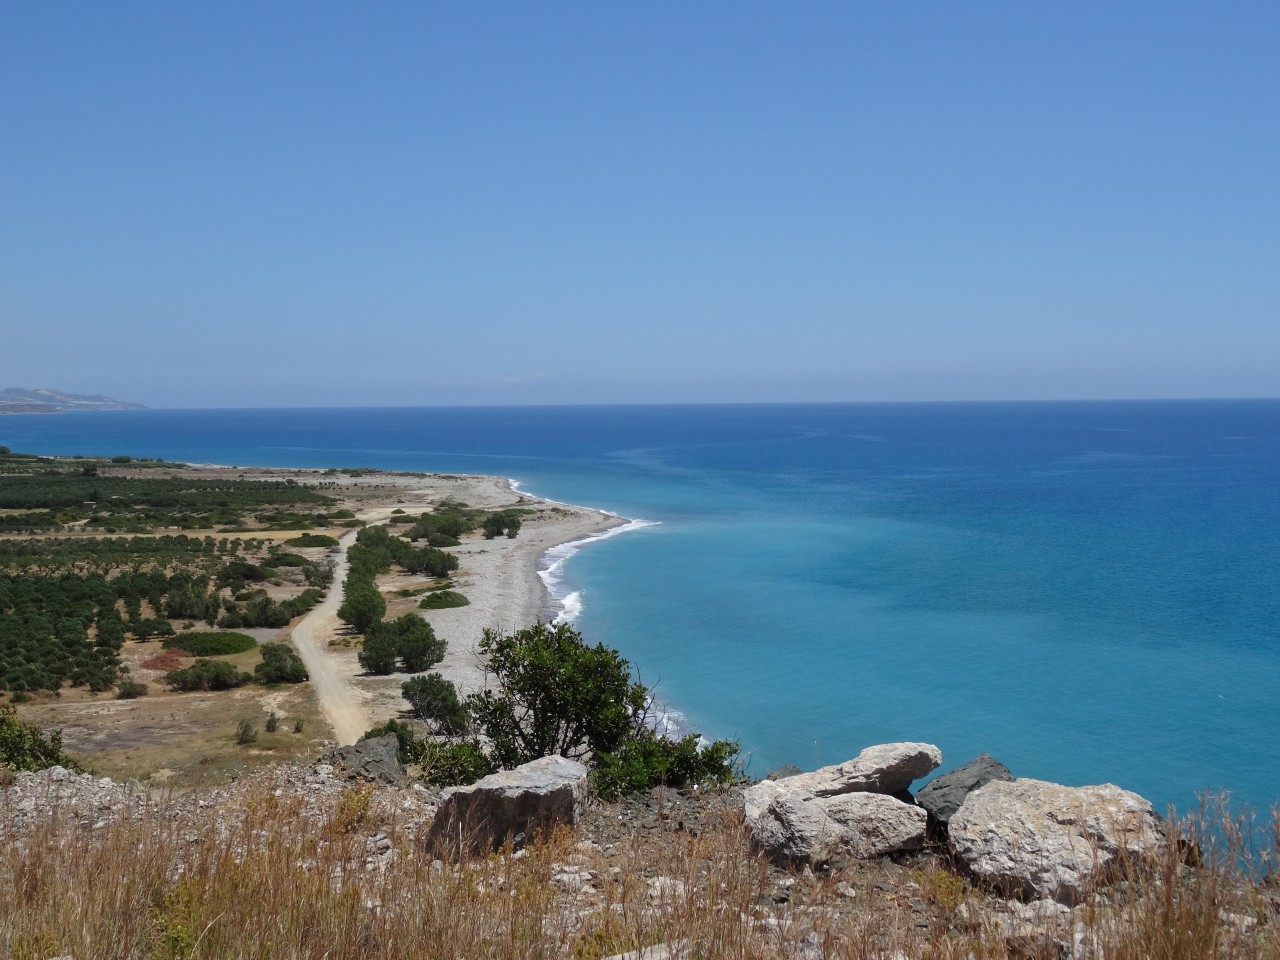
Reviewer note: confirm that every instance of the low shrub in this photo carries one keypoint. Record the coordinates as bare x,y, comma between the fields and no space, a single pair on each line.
130,690
207,675
280,664
245,732
443,600
444,763
648,759
211,643
312,540
454,762
286,560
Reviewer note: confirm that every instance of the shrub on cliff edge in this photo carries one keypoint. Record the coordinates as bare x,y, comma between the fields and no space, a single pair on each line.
557,695
25,747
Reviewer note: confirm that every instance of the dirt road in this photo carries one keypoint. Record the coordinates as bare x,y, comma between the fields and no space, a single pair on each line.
339,700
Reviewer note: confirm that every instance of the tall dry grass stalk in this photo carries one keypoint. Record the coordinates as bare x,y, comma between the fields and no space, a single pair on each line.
264,880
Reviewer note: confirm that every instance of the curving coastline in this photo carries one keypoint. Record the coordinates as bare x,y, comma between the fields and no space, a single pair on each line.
510,583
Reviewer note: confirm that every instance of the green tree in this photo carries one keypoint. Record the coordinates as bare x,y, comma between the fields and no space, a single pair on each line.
408,639
556,695
378,654
363,606
435,700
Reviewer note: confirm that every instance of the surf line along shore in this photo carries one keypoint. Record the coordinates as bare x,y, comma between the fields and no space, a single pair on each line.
510,584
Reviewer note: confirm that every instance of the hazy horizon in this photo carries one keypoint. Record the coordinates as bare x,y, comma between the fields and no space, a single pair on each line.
317,205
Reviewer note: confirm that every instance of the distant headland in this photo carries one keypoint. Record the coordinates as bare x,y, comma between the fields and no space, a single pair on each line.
44,400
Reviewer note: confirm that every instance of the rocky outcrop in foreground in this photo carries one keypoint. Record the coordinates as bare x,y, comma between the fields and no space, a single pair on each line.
1028,838
510,804
843,811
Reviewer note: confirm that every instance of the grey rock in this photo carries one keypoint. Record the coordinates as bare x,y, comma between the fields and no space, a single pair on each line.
377,760
510,804
1029,838
942,797
793,829
843,811
885,768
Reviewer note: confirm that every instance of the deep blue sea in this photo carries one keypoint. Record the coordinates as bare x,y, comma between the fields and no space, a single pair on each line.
1088,591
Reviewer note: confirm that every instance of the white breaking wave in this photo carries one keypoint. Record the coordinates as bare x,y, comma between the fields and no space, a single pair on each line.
570,608
568,604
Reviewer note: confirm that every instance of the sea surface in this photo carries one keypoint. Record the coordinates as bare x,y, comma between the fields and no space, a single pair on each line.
1088,591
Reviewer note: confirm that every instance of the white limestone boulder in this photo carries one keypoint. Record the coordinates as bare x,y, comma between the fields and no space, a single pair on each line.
843,811
884,768
795,829
1029,838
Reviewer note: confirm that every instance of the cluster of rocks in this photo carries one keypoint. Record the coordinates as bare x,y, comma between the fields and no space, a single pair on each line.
1022,838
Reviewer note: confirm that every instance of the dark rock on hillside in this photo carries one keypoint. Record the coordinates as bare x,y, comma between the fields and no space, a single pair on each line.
377,760
942,797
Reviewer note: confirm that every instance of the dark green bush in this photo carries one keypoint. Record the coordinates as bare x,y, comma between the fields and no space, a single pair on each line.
443,763
443,600
286,560
207,643
312,540
280,664
378,654
648,759
363,605
130,690
555,695
207,675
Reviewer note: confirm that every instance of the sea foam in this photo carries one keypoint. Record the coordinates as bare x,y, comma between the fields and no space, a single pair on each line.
567,604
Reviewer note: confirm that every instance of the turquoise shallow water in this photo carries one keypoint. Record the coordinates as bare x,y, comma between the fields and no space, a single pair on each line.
1088,591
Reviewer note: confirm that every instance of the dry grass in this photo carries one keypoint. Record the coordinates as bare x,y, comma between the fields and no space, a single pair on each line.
258,878
183,739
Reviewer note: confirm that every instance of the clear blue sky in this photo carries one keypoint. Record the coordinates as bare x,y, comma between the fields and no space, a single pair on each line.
262,204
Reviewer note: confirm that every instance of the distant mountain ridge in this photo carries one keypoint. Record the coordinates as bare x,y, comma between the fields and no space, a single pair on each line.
44,400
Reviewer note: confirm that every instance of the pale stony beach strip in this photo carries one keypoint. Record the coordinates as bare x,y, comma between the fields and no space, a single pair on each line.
499,577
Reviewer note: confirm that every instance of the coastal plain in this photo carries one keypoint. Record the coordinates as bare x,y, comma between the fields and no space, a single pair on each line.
186,738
